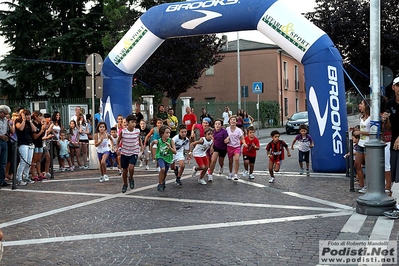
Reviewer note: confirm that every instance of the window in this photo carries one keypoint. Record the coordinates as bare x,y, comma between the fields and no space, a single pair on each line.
285,75
306,104
296,105
296,78
210,71
285,106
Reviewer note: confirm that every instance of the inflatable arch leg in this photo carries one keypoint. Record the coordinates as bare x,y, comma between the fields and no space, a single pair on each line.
304,41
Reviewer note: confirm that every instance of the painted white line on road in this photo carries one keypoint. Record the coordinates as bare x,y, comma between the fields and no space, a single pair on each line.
325,202
251,183
354,223
172,229
382,229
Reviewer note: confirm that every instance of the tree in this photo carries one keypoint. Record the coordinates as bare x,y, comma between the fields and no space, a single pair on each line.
347,23
56,30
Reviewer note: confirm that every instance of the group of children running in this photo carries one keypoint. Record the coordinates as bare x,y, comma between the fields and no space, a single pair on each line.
208,147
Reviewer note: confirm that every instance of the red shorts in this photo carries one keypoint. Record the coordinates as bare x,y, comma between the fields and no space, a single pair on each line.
202,161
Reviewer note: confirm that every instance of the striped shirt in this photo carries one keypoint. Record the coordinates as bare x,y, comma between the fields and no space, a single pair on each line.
130,143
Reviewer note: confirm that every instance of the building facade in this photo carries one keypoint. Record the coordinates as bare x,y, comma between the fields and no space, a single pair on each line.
282,77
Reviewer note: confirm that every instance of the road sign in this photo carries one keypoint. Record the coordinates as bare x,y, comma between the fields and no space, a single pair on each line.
257,87
98,92
94,64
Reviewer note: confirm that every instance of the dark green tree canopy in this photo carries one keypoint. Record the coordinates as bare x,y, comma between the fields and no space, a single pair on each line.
347,22
49,30
70,30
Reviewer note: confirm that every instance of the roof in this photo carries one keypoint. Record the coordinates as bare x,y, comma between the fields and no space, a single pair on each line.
249,45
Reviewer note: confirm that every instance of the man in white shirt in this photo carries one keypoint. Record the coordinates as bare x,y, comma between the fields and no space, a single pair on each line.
226,116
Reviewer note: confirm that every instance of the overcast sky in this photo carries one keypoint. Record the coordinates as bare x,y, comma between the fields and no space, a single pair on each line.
300,6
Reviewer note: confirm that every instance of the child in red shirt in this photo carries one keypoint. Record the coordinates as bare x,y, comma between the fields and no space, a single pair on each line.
275,152
249,152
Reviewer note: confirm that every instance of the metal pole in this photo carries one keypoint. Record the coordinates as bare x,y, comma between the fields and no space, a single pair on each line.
258,115
51,159
238,72
93,88
375,201
14,164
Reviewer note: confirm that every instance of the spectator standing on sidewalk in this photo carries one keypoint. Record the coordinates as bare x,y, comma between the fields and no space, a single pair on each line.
172,122
364,132
130,145
204,114
162,114
57,127
391,117
25,128
189,119
275,152
305,143
83,139
38,121
226,116
64,152
4,135
74,146
249,152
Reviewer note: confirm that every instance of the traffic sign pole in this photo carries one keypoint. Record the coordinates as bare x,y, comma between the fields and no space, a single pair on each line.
93,88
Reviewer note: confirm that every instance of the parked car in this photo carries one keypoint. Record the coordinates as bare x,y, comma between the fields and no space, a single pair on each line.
295,121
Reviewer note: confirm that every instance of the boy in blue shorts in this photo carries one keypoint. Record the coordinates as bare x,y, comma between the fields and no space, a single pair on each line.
164,154
305,143
130,144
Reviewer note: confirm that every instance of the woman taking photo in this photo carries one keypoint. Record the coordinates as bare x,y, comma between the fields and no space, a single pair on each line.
25,129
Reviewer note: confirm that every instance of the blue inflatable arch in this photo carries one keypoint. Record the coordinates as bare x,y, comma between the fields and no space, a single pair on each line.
307,43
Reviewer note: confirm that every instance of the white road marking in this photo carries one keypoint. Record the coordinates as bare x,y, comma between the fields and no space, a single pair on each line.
354,223
325,202
172,229
382,229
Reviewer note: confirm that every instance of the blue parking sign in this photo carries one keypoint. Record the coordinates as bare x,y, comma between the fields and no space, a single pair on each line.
257,87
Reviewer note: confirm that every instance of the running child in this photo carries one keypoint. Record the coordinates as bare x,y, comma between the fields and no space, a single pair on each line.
249,152
64,152
103,141
275,152
182,144
113,156
305,143
219,148
154,135
199,149
130,145
144,130
164,155
236,136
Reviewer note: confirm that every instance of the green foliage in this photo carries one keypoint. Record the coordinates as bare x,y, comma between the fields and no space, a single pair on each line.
348,25
269,110
56,30
70,30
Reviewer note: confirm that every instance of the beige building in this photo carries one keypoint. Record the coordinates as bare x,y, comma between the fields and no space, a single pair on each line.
282,77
